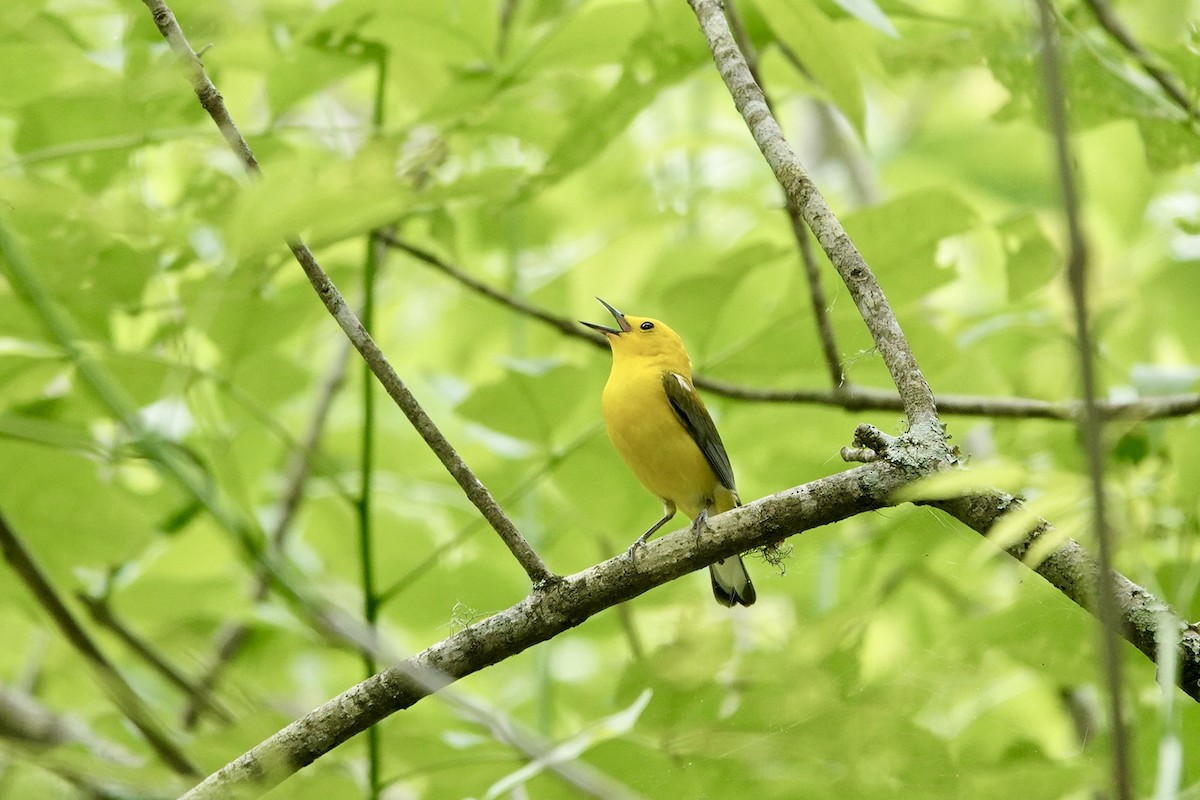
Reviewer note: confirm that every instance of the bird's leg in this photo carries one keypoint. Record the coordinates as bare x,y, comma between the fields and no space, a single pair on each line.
668,512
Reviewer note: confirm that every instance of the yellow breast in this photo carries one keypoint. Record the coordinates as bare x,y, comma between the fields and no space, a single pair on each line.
653,442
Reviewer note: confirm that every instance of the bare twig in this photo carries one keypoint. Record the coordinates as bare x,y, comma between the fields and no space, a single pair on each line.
88,782
568,326
103,615
112,681
300,464
24,718
816,292
798,187
231,637
472,487
1111,23
508,10
851,398
1089,423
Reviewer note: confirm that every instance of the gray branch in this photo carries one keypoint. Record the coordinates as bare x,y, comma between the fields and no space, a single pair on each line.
337,307
798,187
851,398
543,615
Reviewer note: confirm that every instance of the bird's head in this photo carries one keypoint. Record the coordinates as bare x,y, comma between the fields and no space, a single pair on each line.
646,340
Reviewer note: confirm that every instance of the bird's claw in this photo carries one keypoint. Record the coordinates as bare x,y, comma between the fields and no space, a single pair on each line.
638,544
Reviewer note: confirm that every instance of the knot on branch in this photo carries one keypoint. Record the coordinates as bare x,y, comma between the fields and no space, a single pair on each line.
922,450
870,444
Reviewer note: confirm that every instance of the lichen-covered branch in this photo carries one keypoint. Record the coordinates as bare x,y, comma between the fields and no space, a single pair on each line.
1072,570
798,187
545,614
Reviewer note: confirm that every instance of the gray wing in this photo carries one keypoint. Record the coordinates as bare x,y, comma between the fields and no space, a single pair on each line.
691,412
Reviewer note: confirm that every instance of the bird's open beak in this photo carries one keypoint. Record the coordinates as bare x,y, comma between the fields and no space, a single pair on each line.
623,325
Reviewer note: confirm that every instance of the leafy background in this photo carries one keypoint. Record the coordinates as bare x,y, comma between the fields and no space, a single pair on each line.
558,151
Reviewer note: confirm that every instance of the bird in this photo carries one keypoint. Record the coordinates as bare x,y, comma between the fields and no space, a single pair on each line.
664,434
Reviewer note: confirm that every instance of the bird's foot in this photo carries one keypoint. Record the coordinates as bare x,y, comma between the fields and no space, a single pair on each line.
700,523
638,544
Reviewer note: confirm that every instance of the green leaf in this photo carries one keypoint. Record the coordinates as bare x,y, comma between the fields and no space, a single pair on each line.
1032,259
900,238
871,14
827,52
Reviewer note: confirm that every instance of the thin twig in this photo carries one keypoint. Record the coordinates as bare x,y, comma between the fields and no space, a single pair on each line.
816,292
568,326
111,680
1111,23
585,779
103,615
299,467
472,487
24,718
508,11
231,637
1089,423
26,281
851,398
88,782
800,190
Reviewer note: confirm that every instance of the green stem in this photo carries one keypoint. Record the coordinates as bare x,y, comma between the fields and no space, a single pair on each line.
370,599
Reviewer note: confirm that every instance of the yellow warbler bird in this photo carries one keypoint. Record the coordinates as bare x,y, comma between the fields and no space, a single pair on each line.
662,430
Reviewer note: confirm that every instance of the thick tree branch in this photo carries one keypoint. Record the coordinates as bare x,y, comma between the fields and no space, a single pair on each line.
337,307
800,191
545,614
110,679
1071,570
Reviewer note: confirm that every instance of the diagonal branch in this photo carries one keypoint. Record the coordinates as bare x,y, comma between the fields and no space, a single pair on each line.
110,679
1111,23
816,292
800,191
196,692
1072,571
337,307
543,615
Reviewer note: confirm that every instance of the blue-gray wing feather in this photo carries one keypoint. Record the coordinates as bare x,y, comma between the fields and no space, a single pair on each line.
690,410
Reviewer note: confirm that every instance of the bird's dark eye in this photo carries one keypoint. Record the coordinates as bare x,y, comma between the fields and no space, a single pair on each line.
646,326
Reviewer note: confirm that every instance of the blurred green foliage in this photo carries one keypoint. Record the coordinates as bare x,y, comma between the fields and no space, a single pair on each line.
559,151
